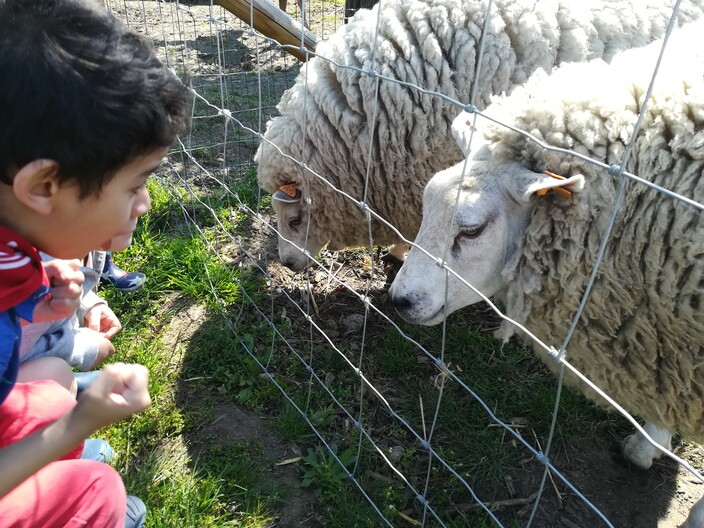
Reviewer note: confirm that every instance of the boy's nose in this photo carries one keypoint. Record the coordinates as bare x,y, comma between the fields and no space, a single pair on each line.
143,204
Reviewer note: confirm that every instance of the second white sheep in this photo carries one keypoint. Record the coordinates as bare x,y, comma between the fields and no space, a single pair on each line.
641,335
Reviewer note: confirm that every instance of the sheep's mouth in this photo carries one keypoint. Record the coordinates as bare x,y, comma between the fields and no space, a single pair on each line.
437,318
432,320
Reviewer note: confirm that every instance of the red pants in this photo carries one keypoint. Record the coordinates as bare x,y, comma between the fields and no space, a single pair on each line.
67,493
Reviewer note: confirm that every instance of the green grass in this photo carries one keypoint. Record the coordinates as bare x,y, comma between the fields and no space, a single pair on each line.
216,485
187,477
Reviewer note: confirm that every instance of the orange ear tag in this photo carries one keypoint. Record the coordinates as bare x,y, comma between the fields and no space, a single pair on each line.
290,189
559,190
287,193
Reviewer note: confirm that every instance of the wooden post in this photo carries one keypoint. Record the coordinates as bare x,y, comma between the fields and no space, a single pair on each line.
269,20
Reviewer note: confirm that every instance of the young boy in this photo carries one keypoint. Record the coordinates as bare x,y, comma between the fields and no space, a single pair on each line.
86,114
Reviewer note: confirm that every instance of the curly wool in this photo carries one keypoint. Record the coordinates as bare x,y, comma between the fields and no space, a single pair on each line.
641,336
327,117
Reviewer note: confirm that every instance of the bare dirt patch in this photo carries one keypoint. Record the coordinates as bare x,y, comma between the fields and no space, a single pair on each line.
235,424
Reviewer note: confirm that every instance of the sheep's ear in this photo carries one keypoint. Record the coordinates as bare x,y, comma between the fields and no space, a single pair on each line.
463,131
524,184
288,193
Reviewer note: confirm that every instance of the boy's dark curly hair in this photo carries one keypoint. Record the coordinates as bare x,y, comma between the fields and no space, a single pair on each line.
79,87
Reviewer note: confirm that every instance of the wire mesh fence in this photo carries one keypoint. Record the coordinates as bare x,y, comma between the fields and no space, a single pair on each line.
400,410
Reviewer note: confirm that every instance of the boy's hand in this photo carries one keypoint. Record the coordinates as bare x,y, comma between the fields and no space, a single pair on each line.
66,280
103,320
120,391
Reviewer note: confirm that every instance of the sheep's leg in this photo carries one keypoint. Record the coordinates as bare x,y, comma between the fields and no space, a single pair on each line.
696,516
641,453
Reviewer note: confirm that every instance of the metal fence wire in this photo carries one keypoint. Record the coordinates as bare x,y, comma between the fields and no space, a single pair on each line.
237,76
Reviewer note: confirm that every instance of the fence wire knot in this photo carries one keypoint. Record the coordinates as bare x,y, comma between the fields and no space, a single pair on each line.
425,444
541,458
225,112
470,108
554,354
420,498
615,169
440,263
363,206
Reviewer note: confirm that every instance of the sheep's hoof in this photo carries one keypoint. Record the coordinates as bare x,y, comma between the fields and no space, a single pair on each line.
638,452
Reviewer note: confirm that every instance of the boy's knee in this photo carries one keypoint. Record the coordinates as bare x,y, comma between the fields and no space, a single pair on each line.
99,496
68,493
105,350
48,368
108,488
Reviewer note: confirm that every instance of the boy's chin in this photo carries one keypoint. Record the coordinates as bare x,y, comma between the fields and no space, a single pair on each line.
117,244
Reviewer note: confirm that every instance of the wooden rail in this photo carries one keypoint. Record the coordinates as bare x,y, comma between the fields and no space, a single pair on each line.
269,20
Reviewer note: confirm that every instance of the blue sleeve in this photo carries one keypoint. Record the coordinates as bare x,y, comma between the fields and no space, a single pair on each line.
10,335
10,332
26,308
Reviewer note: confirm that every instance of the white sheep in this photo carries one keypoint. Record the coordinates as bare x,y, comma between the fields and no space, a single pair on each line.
641,336
327,117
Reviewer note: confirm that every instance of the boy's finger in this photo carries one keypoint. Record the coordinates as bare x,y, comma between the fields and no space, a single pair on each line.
64,271
61,302
52,312
71,291
112,332
92,320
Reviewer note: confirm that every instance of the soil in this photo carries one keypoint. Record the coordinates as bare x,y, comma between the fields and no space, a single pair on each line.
660,497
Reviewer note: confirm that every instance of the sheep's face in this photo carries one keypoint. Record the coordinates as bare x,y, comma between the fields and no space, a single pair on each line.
293,222
475,230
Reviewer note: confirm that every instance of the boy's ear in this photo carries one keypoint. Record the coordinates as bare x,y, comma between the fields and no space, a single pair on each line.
36,184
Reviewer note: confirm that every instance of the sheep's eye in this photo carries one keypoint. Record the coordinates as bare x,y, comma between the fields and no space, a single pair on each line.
467,233
471,232
294,222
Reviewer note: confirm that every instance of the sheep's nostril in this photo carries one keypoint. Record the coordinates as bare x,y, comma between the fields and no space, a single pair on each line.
401,302
290,264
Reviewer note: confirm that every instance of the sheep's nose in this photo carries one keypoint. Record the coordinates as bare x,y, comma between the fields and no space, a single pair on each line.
291,264
295,264
401,302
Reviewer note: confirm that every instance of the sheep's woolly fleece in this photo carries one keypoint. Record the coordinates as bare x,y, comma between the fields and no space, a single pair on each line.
328,115
641,336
